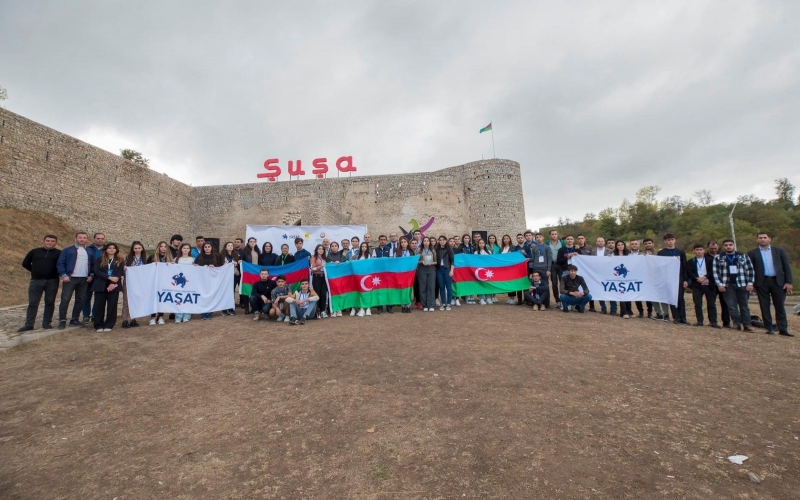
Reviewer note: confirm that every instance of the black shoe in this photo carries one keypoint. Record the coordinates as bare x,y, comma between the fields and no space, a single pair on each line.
770,330
786,333
578,309
125,324
47,327
302,321
133,324
748,329
682,322
697,324
726,326
292,321
714,325
675,322
603,312
641,315
171,316
565,309
87,320
76,324
62,325
658,317
25,329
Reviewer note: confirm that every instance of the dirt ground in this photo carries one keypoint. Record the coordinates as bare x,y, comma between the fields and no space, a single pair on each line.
480,402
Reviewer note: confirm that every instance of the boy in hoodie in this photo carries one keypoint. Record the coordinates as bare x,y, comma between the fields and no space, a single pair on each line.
538,295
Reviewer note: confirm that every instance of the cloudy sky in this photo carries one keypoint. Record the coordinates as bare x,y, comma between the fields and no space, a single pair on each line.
593,99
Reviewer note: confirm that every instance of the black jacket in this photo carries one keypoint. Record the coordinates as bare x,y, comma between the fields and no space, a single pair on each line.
264,288
41,262
783,271
267,259
208,260
101,275
691,272
282,260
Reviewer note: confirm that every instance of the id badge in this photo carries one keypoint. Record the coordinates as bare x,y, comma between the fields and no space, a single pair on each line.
541,258
733,270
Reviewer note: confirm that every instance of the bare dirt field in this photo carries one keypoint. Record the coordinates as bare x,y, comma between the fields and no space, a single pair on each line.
481,402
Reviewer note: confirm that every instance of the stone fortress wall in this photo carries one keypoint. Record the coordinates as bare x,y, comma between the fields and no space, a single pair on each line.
42,169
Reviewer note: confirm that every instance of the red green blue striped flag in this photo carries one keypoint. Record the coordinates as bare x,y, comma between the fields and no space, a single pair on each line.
372,282
294,272
486,129
488,274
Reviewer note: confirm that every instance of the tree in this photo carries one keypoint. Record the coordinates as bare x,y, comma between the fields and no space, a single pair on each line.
135,156
704,197
647,195
784,190
3,93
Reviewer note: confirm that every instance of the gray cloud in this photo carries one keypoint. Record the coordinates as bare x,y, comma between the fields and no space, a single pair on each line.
593,99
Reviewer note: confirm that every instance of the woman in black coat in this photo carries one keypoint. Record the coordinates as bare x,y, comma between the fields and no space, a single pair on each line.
108,271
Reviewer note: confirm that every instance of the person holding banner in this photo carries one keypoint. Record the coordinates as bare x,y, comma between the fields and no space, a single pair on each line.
279,295
336,256
574,291
261,295
444,272
426,274
137,257
207,258
363,253
267,256
625,309
184,258
230,255
669,250
404,250
285,257
250,254
481,249
302,304
320,284
106,286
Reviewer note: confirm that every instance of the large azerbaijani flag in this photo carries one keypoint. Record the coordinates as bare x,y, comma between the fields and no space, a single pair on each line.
294,272
488,274
372,282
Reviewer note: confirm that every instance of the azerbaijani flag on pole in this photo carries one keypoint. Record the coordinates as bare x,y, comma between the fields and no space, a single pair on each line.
486,129
294,272
488,274
371,282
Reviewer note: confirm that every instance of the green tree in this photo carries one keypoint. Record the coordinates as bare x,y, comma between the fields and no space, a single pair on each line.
135,157
784,190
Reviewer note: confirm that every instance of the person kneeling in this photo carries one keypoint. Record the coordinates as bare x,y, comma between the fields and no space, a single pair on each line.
280,293
574,291
261,295
538,295
302,304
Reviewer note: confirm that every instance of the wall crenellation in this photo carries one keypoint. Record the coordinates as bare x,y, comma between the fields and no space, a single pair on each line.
42,169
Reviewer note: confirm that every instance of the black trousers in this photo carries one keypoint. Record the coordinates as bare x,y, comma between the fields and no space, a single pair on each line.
625,308
321,287
78,286
641,309
723,307
555,278
770,291
679,312
105,311
531,299
710,294
35,290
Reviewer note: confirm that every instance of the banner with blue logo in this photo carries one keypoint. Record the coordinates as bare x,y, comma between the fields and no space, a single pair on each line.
631,278
311,235
179,288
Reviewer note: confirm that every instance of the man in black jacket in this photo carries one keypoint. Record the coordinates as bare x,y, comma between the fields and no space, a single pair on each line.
669,250
773,280
700,275
41,262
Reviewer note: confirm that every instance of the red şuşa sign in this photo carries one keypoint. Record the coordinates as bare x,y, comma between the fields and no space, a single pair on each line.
295,167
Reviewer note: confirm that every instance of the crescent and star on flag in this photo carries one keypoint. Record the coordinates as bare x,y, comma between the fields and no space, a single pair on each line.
488,274
376,281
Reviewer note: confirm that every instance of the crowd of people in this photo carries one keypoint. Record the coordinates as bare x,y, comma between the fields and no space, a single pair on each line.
92,277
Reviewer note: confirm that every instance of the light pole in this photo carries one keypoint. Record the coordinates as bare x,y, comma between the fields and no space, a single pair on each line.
730,218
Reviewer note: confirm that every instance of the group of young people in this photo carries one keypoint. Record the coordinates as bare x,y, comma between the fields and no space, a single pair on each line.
97,271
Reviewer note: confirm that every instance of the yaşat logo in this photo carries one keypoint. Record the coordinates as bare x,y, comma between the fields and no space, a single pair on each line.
621,286
178,298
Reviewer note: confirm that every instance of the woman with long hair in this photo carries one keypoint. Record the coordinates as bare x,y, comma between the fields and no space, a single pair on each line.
318,283
108,271
427,275
404,250
482,249
251,254
492,244
184,258
230,256
162,254
625,309
267,257
363,253
335,257
207,258
445,262
137,257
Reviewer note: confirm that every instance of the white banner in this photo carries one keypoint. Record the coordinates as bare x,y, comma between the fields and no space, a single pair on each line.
179,288
312,235
631,278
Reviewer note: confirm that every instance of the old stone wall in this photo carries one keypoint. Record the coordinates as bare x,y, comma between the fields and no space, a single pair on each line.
88,187
42,169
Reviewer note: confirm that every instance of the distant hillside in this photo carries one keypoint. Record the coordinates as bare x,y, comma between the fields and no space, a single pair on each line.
20,231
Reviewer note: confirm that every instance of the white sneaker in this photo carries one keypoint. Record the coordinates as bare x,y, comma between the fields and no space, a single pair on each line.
352,312
177,321
442,308
438,302
323,315
483,302
510,302
280,318
452,302
447,308
256,316
424,309
152,322
106,329
458,303
287,319
186,320
161,321
99,330
360,313
369,312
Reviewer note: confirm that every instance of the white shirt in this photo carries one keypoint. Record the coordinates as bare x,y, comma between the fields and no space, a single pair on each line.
81,264
600,252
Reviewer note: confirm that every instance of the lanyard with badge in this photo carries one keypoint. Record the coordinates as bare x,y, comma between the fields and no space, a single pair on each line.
732,268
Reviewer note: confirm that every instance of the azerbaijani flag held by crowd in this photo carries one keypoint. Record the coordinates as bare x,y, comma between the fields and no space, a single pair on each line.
488,274
486,129
372,282
294,272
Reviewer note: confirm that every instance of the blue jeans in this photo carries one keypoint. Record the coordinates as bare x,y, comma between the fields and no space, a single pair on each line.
613,307
736,300
445,285
579,302
88,308
179,317
302,312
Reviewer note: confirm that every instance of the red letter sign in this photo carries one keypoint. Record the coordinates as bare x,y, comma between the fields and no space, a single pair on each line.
296,171
346,168
273,170
320,167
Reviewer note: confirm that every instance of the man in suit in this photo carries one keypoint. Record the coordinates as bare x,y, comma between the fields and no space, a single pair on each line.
669,250
700,274
773,279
